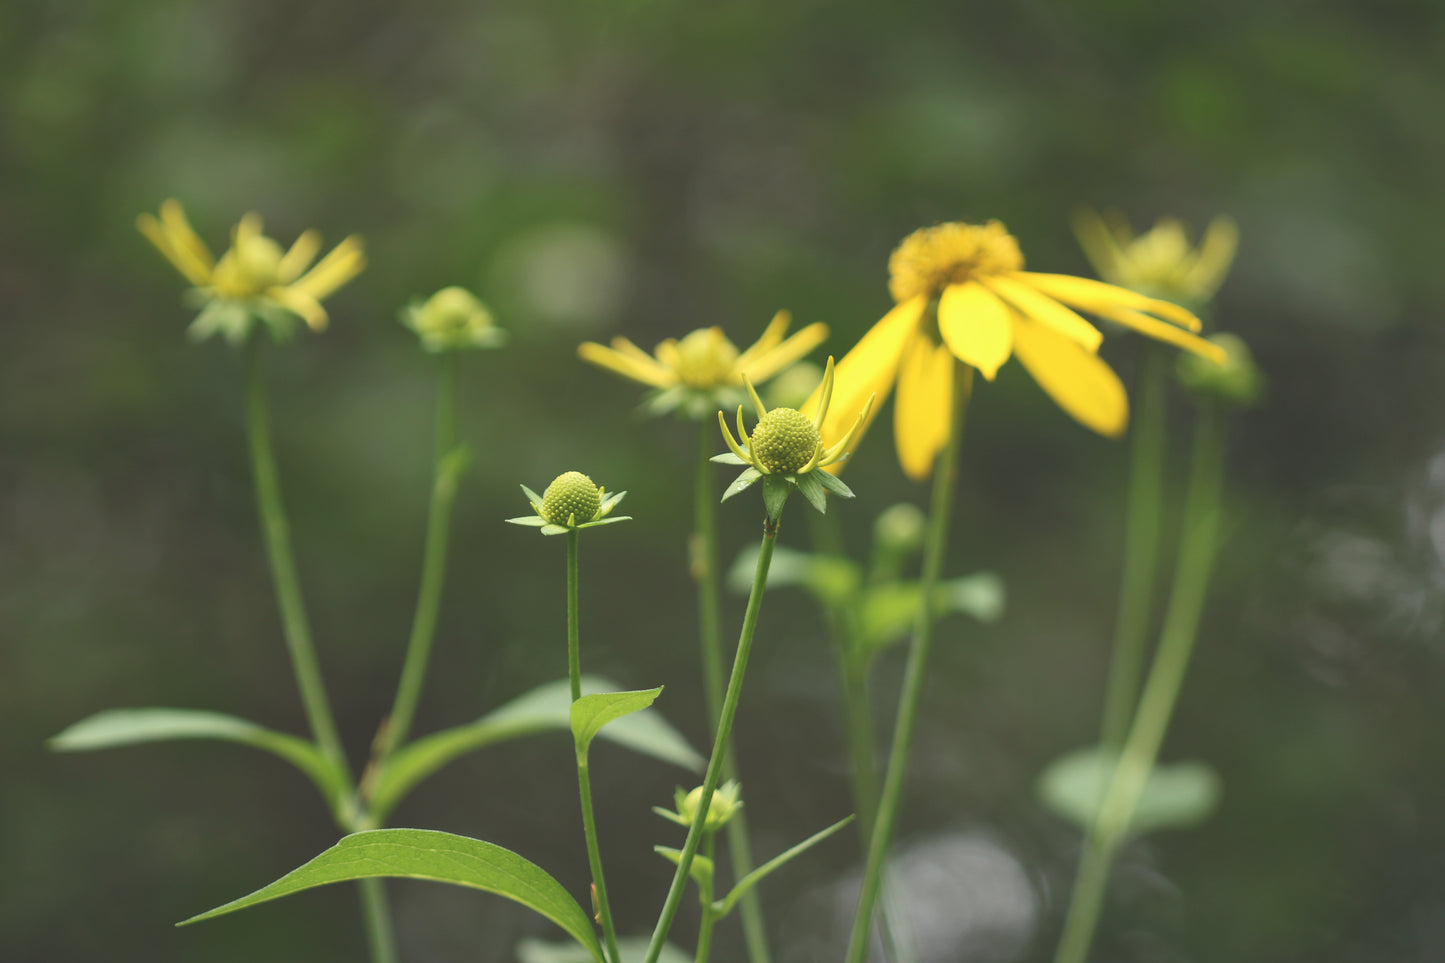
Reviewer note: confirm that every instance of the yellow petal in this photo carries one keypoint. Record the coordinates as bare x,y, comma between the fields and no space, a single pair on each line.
1045,310
185,240
1078,380
869,369
921,410
247,230
625,364
156,234
1168,333
300,255
1094,296
763,367
299,302
1213,257
772,337
343,263
976,326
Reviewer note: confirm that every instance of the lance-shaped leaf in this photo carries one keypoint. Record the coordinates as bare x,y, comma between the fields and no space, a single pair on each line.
441,857
126,727
775,495
701,870
545,708
813,490
724,906
591,712
1176,795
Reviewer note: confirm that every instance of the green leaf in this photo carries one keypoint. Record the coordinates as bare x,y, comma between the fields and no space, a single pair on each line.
442,857
813,491
1176,795
701,870
834,484
887,610
633,950
126,727
743,482
831,579
775,495
545,708
591,712
725,905
727,458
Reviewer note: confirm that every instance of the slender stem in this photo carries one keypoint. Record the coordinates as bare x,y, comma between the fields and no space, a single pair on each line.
1141,547
720,742
705,571
704,931
380,940
944,482
594,857
1198,546
434,561
277,534
574,650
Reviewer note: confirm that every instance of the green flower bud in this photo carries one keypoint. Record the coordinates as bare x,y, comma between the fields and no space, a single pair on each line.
784,440
450,319
571,496
1238,381
724,803
899,529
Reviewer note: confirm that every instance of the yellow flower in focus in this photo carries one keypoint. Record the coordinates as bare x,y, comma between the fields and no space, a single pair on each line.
1161,261
988,309
254,279
704,371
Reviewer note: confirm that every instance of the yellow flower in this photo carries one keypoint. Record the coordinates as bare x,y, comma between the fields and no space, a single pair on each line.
704,370
254,279
1160,261
988,309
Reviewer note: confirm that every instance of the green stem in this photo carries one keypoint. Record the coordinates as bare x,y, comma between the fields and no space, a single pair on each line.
944,482
380,940
1141,546
277,534
574,649
704,931
720,741
594,857
1198,546
434,562
705,570
858,713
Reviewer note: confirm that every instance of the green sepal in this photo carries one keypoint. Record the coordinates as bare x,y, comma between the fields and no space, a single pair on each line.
672,817
550,529
728,458
591,712
834,484
534,521
702,868
438,856
604,521
775,495
813,491
609,503
742,483
724,906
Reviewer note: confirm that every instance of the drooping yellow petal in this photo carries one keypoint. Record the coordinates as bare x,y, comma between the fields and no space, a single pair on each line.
1168,333
183,238
869,369
301,254
1095,296
976,326
624,346
772,336
156,234
1078,380
625,364
1213,257
921,410
763,367
299,302
343,263
1046,311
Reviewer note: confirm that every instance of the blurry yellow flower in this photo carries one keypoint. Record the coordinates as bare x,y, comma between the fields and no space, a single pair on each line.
704,371
1160,262
452,319
988,309
254,279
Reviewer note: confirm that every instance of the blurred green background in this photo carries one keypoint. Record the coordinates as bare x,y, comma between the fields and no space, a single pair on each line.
646,168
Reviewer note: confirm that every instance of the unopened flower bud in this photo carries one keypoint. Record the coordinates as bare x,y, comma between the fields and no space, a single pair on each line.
450,319
725,802
572,498
899,529
1237,382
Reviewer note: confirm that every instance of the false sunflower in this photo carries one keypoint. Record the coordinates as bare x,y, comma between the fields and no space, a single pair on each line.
988,309
704,371
254,279
1161,261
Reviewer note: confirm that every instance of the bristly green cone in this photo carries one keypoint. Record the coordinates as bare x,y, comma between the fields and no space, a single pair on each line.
572,502
784,440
